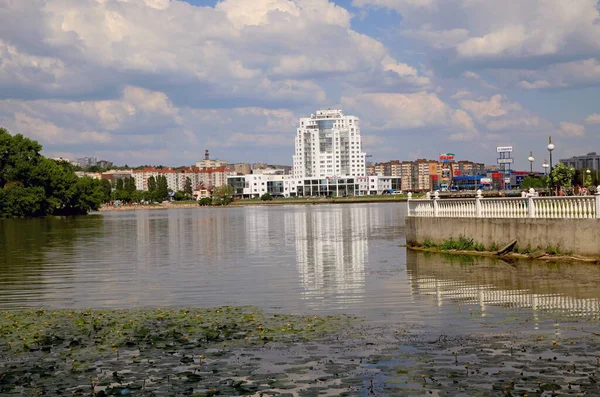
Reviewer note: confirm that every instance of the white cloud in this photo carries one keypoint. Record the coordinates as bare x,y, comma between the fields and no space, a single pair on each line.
494,30
571,129
593,118
496,114
440,39
495,107
237,49
388,111
242,139
535,84
461,94
566,74
397,5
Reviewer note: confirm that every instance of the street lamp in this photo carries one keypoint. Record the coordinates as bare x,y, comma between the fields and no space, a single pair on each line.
588,172
545,165
550,148
531,159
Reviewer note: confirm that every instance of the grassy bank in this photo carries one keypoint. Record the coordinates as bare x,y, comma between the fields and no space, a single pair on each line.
467,246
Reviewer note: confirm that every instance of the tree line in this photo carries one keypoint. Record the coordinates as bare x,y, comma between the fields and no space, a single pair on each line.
32,185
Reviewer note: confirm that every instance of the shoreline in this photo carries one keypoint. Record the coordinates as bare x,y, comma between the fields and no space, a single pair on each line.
243,203
536,256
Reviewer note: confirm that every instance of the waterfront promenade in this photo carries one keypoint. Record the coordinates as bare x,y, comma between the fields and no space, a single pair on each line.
568,225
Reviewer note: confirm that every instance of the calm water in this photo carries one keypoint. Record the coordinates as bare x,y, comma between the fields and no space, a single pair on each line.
301,259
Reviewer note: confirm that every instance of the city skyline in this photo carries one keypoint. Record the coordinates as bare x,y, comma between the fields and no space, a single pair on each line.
147,81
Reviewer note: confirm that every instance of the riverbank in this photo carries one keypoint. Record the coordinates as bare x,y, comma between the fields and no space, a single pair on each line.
536,255
105,208
253,202
243,351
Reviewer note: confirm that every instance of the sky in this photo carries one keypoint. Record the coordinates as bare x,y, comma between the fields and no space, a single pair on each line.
158,81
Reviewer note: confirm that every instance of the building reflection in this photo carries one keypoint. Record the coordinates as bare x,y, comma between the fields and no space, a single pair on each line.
331,251
488,282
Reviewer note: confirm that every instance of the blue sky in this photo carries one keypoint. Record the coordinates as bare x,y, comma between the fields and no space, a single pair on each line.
159,81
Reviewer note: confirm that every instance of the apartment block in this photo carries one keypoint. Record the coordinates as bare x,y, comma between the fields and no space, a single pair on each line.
328,144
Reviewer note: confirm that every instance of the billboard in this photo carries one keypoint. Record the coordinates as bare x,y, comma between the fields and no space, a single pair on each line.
447,157
504,149
505,161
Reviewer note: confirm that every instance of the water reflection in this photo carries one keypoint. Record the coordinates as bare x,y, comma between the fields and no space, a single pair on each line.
331,251
570,289
33,253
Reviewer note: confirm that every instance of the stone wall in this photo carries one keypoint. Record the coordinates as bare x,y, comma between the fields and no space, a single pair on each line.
578,236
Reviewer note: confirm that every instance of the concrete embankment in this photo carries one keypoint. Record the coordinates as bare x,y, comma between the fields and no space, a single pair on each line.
573,236
145,207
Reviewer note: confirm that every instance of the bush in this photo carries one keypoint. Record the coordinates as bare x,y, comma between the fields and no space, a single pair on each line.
266,197
479,247
205,201
494,246
428,244
462,244
553,250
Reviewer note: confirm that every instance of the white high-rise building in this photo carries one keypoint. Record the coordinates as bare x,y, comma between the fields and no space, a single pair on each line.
328,144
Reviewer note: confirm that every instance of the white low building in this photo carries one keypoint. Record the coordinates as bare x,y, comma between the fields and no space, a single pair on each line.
254,186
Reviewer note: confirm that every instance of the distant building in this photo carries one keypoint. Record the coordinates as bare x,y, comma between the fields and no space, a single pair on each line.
208,163
255,185
201,178
242,168
104,164
93,175
113,175
85,162
328,144
61,160
590,161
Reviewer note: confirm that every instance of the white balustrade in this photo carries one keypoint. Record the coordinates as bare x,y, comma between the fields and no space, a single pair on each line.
529,206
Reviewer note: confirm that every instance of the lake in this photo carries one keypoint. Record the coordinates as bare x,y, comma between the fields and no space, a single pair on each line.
299,259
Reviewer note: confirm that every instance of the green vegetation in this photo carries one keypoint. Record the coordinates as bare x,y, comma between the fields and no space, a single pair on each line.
534,182
32,185
562,175
553,249
266,197
462,244
466,244
146,351
205,201
223,195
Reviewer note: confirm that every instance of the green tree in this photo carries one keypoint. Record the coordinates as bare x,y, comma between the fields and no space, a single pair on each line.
188,187
205,201
107,190
179,196
32,185
151,184
129,185
562,176
120,185
266,197
223,195
162,188
533,182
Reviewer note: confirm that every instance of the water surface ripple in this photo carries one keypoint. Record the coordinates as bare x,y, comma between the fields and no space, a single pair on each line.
322,259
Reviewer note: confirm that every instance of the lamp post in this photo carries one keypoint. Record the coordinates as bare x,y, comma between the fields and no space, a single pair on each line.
531,159
583,174
550,148
545,165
